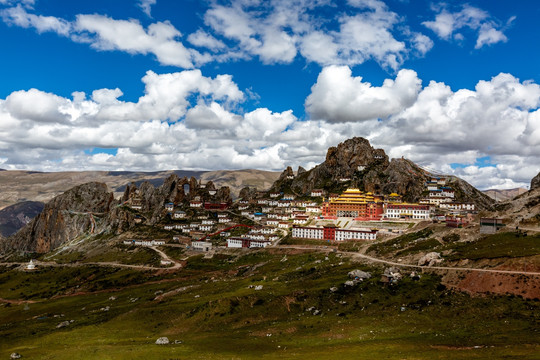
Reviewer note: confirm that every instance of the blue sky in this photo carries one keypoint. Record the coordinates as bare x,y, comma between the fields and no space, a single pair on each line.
160,84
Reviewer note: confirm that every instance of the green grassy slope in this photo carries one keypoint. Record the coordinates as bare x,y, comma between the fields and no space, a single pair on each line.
212,307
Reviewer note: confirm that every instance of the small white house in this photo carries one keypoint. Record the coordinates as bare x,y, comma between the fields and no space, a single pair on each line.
179,214
284,225
201,245
205,228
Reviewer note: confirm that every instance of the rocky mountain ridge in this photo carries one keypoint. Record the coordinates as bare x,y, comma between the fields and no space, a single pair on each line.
19,186
535,182
355,163
91,209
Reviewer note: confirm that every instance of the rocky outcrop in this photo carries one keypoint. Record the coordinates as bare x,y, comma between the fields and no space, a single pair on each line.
403,177
63,218
248,193
465,192
354,159
359,275
176,190
535,182
355,163
90,209
162,341
430,259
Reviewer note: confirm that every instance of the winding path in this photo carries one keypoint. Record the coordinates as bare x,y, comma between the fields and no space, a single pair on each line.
397,264
176,264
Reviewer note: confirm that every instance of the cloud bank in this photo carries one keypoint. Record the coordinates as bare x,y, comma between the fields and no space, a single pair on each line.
185,120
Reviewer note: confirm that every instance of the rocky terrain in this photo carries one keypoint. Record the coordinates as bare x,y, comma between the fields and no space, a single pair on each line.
18,186
64,218
535,182
91,209
355,163
417,291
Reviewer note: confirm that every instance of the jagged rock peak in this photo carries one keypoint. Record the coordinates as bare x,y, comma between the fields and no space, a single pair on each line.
89,197
287,173
248,193
301,170
535,182
354,154
355,163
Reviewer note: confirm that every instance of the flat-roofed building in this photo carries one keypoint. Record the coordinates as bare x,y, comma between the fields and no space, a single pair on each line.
356,204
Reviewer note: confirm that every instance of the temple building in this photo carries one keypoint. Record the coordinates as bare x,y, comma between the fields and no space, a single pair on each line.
356,204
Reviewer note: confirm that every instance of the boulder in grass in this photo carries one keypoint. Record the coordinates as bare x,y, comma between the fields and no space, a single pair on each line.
359,275
162,341
430,259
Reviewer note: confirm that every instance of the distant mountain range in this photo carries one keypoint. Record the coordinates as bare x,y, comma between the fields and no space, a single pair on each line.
504,195
19,186
16,216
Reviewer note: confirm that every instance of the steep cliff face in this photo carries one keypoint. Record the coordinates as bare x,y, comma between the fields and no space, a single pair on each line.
355,163
63,218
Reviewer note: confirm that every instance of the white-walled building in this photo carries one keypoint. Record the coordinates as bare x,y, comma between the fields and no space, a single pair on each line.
407,211
457,206
317,193
332,233
201,245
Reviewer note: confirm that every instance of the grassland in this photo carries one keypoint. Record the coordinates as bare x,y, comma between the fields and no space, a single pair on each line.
213,309
499,245
504,244
401,243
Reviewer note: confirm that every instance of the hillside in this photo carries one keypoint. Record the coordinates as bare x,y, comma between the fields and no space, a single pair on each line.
504,195
355,163
271,304
309,298
91,210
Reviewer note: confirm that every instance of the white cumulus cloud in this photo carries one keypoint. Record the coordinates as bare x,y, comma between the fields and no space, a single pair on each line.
339,97
447,24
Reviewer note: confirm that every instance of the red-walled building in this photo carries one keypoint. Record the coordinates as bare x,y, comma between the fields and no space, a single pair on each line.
354,203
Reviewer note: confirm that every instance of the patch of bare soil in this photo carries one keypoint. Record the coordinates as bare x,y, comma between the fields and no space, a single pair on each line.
527,286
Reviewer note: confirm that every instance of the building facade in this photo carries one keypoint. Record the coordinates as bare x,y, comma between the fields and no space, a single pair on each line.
356,204
332,233
407,211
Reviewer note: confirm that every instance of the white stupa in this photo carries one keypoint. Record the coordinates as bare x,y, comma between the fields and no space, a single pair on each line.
31,265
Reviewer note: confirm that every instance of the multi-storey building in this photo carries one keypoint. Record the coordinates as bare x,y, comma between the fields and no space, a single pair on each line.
356,204
407,211
332,233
